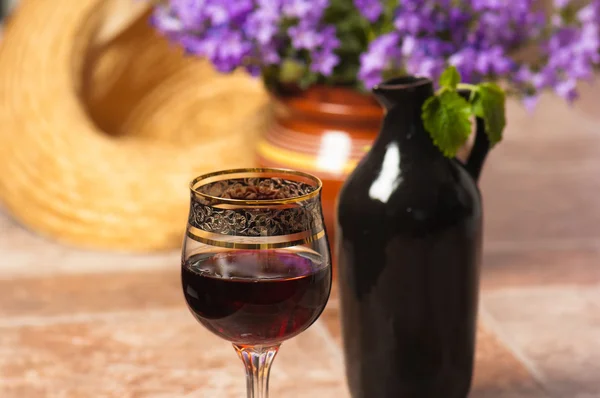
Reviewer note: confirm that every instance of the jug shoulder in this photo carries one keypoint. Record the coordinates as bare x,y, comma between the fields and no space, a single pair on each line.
424,199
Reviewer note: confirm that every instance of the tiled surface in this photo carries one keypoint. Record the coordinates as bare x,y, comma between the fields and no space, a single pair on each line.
498,373
550,266
557,329
542,209
90,293
27,255
154,353
82,324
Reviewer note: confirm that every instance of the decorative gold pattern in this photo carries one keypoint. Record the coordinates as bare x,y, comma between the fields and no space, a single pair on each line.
257,188
279,207
299,179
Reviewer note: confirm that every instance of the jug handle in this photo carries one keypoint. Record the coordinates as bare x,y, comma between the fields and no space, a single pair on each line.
479,152
481,146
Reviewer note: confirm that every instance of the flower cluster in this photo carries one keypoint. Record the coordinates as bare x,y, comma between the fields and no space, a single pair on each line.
248,33
363,41
569,54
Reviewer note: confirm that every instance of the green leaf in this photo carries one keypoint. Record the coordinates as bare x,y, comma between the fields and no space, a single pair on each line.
308,80
291,71
447,118
450,78
489,104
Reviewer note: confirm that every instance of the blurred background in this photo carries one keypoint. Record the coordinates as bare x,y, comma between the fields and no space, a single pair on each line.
7,6
103,123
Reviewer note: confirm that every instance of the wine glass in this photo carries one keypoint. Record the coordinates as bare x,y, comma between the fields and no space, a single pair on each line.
256,265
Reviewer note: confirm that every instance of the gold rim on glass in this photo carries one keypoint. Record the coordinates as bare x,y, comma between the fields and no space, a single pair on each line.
255,172
282,242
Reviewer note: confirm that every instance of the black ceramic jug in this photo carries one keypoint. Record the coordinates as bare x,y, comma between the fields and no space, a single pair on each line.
409,245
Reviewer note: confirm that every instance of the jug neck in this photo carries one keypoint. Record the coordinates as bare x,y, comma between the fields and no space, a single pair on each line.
402,91
403,100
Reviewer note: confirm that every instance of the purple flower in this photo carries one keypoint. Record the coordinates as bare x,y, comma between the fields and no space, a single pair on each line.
199,46
428,57
370,9
191,13
458,24
227,11
489,5
217,14
305,36
329,37
227,50
530,102
523,74
321,42
589,13
382,53
413,23
305,10
297,8
420,37
163,19
324,61
263,24
269,55
253,70
561,3
409,46
262,27
463,60
567,89
544,79
493,61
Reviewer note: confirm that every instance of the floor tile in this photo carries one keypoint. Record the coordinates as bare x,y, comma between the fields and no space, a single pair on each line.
150,354
530,210
82,293
24,254
540,183
558,156
331,320
527,267
556,330
498,374
552,121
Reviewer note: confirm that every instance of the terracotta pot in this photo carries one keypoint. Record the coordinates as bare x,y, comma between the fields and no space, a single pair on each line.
324,131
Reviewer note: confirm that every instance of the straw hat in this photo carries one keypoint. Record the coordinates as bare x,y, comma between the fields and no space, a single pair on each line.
103,124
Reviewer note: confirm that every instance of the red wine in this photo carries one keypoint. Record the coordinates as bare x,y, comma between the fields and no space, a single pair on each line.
256,297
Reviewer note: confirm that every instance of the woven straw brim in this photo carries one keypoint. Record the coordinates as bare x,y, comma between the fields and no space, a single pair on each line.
103,124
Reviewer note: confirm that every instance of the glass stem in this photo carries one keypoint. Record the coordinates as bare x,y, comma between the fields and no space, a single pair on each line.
257,361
